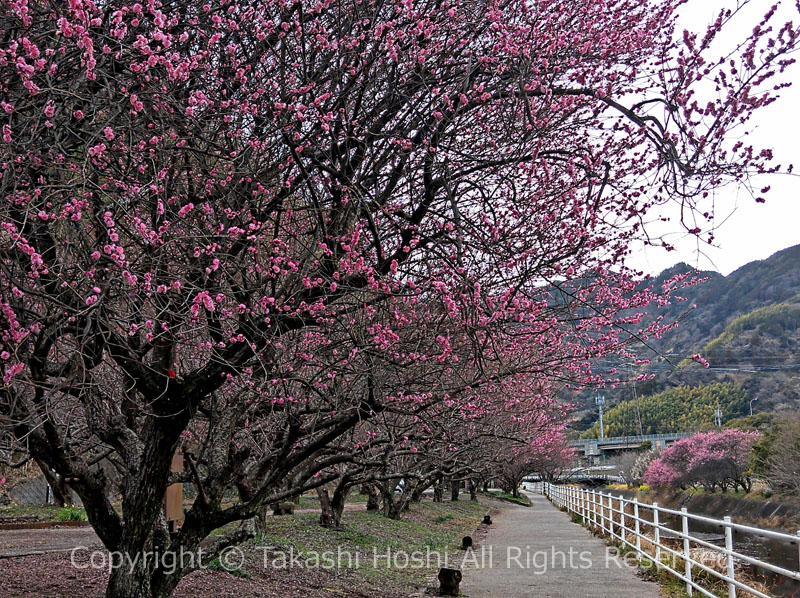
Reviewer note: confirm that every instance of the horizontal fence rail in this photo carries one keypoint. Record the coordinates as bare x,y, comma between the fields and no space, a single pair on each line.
641,527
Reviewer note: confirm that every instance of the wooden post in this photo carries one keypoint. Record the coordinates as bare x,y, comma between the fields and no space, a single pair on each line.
173,499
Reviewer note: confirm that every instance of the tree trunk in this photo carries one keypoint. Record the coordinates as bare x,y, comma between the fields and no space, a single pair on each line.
373,496
332,506
338,500
124,583
473,490
62,494
455,489
391,509
326,517
419,490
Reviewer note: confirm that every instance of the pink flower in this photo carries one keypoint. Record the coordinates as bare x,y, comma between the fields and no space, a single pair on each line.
109,133
185,210
98,150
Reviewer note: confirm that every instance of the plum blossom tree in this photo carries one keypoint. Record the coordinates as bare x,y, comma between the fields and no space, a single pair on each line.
223,222
709,459
548,455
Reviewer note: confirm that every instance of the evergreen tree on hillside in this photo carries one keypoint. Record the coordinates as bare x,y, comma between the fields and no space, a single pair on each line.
679,409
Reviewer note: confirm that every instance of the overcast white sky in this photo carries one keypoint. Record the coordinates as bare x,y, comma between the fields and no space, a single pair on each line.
746,231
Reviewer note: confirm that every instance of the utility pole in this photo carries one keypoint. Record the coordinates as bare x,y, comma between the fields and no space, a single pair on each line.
638,410
600,400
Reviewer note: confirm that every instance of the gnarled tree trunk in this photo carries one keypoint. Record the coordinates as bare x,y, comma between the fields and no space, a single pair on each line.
473,490
455,490
373,496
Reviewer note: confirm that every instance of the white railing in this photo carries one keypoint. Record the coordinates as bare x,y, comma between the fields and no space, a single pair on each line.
624,520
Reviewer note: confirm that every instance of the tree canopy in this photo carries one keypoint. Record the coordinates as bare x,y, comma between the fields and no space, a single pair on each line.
288,236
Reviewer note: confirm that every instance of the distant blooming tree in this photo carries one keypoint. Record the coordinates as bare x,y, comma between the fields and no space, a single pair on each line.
641,464
712,460
629,469
235,227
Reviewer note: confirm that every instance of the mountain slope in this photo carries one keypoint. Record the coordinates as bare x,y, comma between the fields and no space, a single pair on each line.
746,324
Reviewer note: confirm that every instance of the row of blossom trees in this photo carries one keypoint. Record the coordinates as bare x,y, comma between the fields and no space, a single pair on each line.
303,240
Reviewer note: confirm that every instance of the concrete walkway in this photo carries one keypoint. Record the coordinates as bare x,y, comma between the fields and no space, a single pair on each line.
539,552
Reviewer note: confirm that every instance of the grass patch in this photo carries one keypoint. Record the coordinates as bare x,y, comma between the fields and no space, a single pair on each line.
28,512
216,565
371,540
443,518
71,513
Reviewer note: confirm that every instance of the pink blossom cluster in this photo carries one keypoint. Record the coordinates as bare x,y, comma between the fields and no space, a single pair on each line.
710,459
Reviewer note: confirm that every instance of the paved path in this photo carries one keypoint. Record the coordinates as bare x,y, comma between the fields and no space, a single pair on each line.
24,542
539,552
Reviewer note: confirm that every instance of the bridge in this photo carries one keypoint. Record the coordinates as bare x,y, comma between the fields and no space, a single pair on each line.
593,447
590,478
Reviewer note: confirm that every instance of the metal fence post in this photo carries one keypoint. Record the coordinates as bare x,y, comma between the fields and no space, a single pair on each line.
687,551
602,512
637,527
610,516
729,548
622,533
583,504
798,551
657,534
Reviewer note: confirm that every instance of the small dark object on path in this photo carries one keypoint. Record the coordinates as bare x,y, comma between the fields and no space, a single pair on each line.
487,520
466,542
448,581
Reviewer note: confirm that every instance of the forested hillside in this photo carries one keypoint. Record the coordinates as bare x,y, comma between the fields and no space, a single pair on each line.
746,325
679,409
